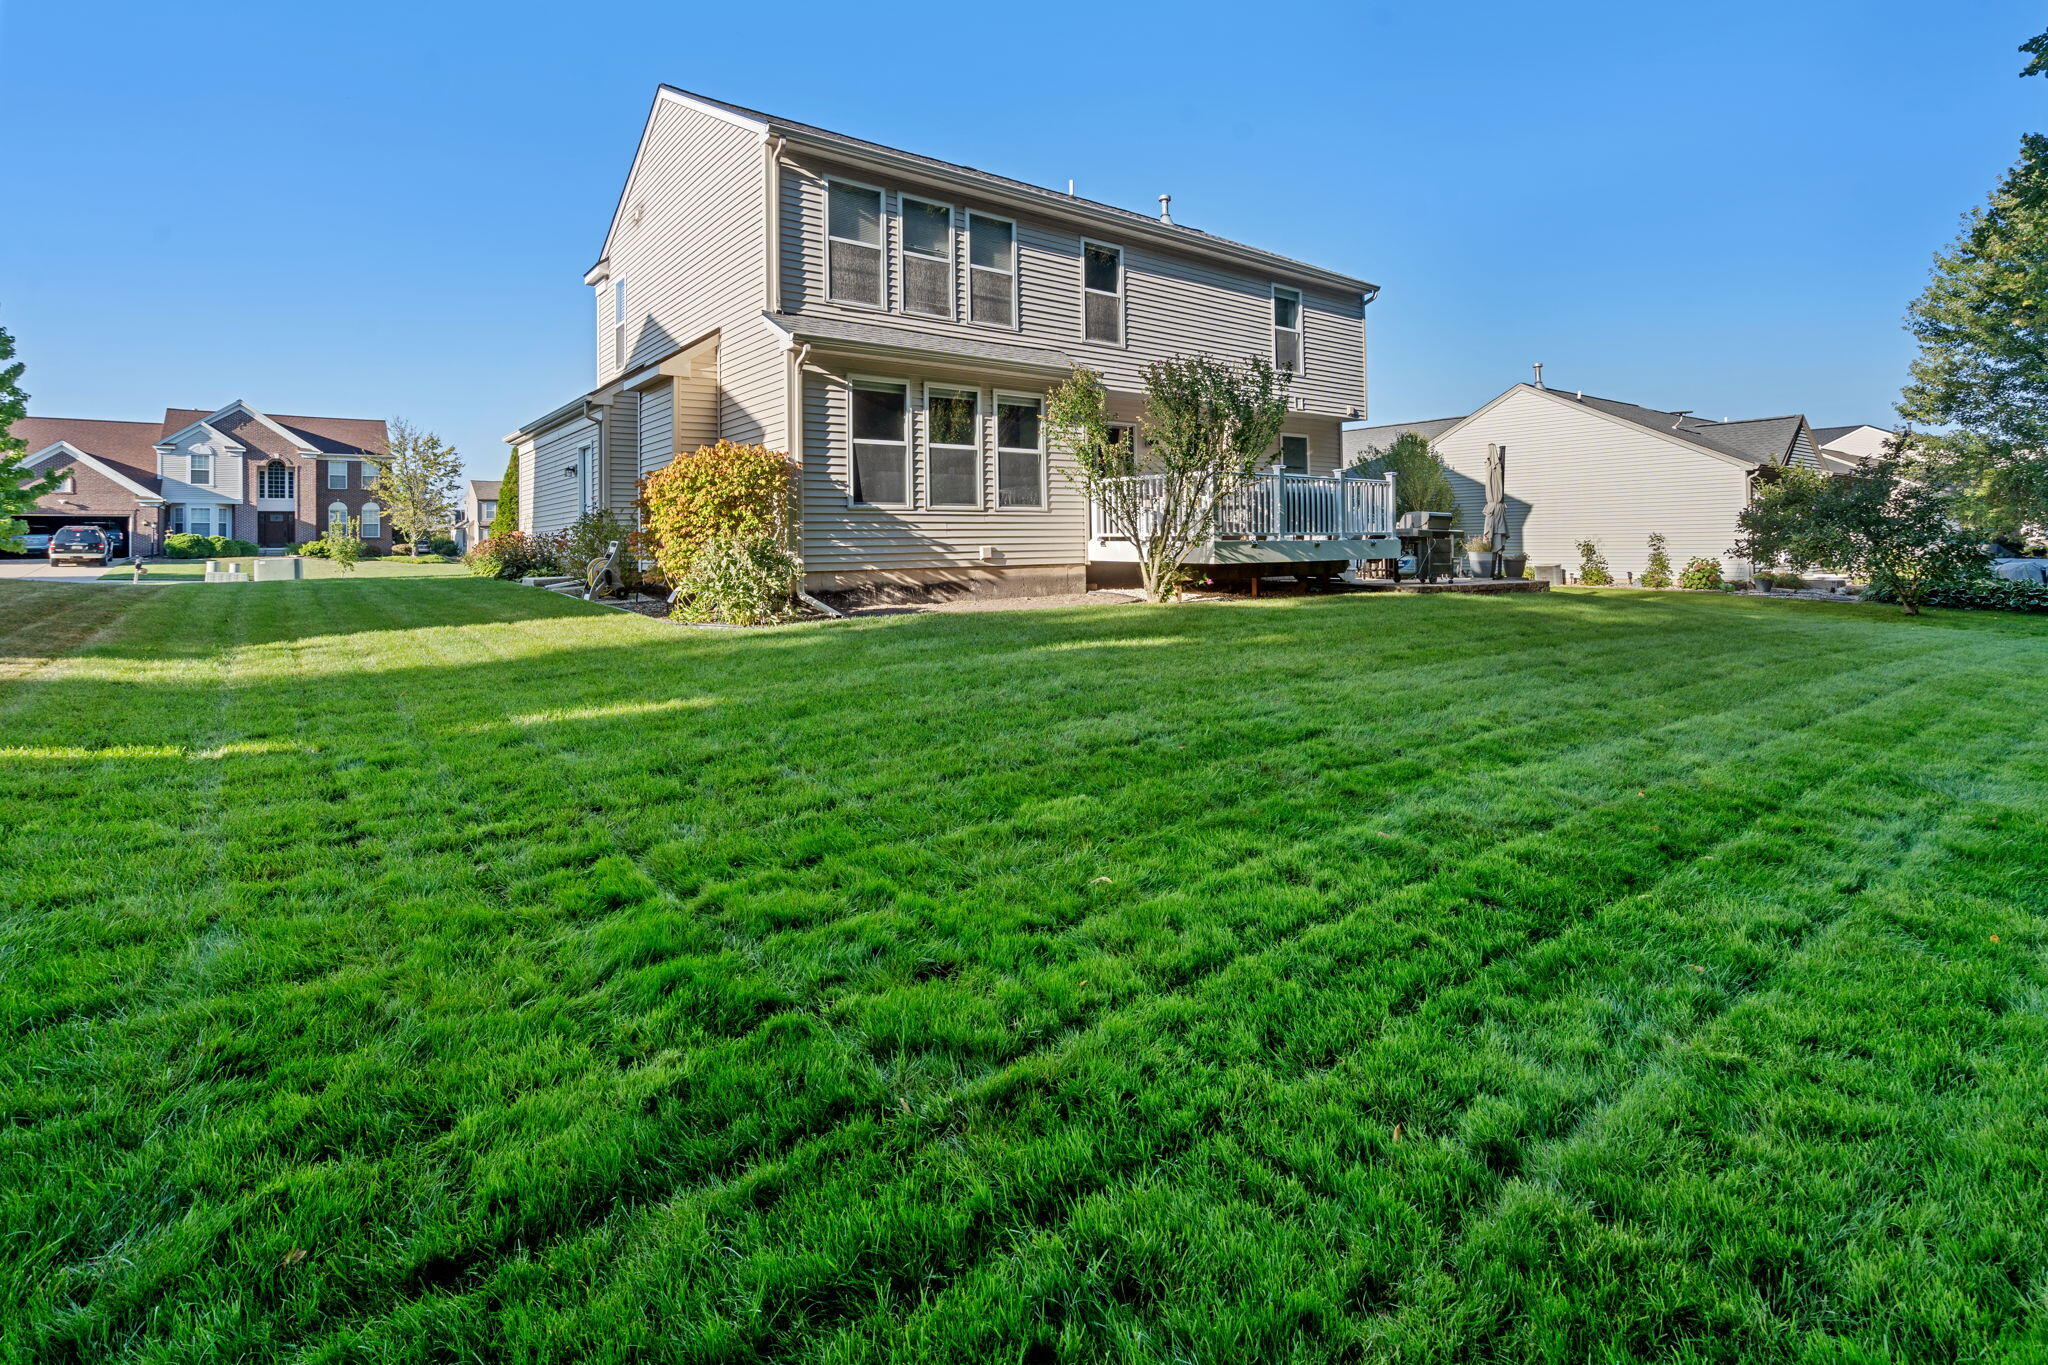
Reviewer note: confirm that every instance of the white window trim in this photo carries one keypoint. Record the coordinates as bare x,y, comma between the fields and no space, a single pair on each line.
855,381
194,479
586,455
1300,328
1122,295
1308,452
880,248
903,250
619,322
364,527
1037,400
969,392
291,481
1016,323
341,467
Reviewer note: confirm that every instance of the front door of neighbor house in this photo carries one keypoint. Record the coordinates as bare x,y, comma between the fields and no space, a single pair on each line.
273,528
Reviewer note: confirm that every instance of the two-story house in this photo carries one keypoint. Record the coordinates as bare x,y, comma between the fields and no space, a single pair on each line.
236,471
894,321
479,508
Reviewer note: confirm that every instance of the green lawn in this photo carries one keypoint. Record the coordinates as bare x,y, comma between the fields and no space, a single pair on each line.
443,971
395,567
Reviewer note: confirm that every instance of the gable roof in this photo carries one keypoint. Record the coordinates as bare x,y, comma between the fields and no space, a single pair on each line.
324,435
147,492
1052,202
128,446
1357,440
484,488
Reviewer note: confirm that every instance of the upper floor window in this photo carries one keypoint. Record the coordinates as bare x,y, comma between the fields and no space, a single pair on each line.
67,483
337,473
881,443
1020,453
486,513
1102,293
853,250
927,258
199,467
275,480
1294,454
1287,328
991,270
618,324
953,447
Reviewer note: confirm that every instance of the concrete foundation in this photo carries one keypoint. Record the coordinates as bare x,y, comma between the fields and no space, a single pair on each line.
868,587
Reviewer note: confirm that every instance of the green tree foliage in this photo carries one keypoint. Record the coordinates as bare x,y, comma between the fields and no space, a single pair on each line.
721,492
19,489
1593,570
343,543
418,481
1880,522
1209,426
1982,325
506,520
1421,483
1657,573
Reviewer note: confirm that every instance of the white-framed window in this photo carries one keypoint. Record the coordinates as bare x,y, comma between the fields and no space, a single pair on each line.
1020,452
200,521
199,467
927,230
1102,293
337,514
991,270
879,420
853,247
274,480
1293,454
67,482
373,521
174,519
586,477
952,446
1287,353
619,324
337,473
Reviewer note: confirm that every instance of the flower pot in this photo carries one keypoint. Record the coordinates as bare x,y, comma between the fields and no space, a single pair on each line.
1512,566
1481,561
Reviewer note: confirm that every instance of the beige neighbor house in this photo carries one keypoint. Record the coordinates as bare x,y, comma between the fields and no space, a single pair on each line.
1845,448
479,506
894,321
1586,468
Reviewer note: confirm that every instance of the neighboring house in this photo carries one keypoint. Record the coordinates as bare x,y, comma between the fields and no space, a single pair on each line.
479,506
1586,468
895,321
1844,448
272,479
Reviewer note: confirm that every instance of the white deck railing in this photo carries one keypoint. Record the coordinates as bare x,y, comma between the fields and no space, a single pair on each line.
1280,507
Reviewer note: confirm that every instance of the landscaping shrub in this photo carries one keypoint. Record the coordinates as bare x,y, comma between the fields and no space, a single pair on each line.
224,545
1701,574
185,546
592,535
1658,573
723,492
1593,570
316,548
739,580
442,546
1974,594
516,555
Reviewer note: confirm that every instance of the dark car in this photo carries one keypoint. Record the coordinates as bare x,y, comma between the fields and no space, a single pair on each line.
81,545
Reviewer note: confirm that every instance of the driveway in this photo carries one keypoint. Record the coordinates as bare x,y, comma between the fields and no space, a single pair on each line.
42,571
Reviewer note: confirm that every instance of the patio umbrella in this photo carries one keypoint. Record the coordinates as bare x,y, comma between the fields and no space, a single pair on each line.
1497,497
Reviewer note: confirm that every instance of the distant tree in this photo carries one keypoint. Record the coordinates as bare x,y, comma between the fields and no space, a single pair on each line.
1593,570
507,517
18,488
1210,425
342,545
1982,325
418,481
1421,483
1881,522
1657,573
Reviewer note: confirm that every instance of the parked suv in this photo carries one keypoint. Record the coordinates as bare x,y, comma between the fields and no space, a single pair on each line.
81,545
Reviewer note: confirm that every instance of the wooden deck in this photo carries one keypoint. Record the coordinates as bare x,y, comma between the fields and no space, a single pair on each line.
1460,585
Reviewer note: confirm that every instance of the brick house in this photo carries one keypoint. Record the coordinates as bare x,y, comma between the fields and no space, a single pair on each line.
272,479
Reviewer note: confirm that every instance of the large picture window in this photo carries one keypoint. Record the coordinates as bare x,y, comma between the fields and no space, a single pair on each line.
1020,453
881,446
1287,328
953,447
853,249
275,481
927,258
1102,293
991,270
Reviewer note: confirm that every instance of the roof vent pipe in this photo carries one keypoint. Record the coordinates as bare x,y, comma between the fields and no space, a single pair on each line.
1166,208
1538,367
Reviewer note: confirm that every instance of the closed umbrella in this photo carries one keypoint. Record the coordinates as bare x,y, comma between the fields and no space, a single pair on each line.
1497,498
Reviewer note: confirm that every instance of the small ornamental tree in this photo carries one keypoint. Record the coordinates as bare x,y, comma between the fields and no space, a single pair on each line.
1593,571
1209,427
506,519
1657,573
18,488
726,491
1421,483
1881,522
343,543
418,481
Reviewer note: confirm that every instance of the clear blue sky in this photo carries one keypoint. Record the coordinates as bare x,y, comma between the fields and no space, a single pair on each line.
375,208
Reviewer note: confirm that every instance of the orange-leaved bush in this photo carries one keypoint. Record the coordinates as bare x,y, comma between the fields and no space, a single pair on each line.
726,491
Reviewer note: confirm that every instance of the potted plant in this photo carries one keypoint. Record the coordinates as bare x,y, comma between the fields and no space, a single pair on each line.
1479,553
1512,565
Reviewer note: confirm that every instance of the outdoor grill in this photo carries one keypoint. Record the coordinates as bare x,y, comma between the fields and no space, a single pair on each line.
1429,539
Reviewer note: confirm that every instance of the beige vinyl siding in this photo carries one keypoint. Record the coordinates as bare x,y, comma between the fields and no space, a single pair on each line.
552,494
525,457
1803,453
838,538
657,428
1174,304
622,453
1573,474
